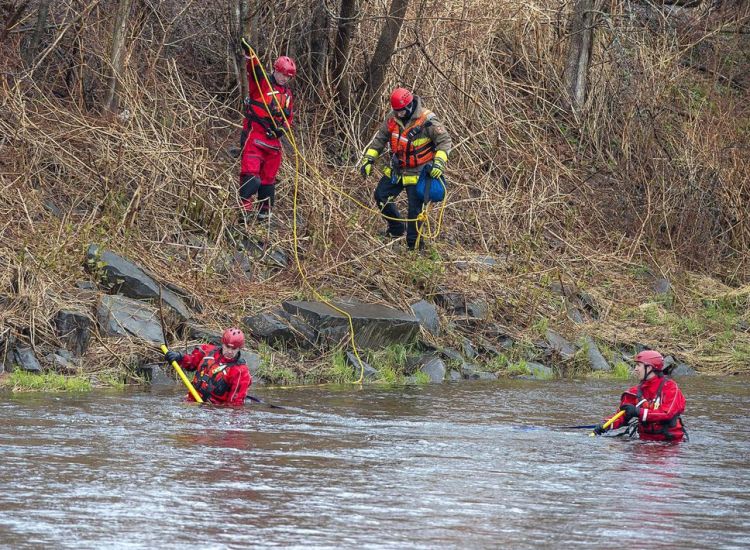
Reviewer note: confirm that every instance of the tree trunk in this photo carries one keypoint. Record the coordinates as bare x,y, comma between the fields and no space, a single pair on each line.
240,23
116,55
319,44
375,75
341,50
581,41
39,29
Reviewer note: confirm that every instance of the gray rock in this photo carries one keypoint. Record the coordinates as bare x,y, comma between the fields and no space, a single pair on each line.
477,309
158,374
596,359
74,330
375,326
469,350
662,286
452,355
560,344
126,278
61,363
435,369
588,304
454,375
269,327
85,285
7,344
194,331
253,361
683,370
428,316
573,314
452,302
369,374
537,370
26,360
278,325
121,316
470,371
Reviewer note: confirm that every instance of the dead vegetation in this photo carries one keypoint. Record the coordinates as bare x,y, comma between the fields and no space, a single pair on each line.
650,177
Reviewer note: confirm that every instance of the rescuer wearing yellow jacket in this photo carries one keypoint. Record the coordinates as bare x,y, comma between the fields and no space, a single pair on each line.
415,137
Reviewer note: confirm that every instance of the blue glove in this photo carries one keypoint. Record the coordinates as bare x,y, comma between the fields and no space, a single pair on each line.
173,356
631,411
438,167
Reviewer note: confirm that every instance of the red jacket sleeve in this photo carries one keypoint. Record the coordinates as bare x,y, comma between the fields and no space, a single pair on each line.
192,360
672,404
240,381
254,72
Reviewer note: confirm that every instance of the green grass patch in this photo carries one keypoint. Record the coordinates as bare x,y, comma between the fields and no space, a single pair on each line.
269,371
24,381
390,362
424,271
340,371
421,378
621,371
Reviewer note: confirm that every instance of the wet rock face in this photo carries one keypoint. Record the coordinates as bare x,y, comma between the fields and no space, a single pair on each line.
26,360
121,316
128,279
428,316
375,326
74,330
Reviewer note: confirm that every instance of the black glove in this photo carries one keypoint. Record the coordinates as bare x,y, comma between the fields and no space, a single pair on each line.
631,411
245,46
599,429
278,131
173,356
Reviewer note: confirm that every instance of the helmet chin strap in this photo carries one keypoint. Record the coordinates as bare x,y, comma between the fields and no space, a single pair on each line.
646,372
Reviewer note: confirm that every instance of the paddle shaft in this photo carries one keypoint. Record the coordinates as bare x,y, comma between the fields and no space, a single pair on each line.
253,398
612,420
184,378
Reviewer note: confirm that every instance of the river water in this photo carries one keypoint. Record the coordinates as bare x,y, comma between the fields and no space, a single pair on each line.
469,465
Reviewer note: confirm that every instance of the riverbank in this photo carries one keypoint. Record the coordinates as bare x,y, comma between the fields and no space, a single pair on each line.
569,238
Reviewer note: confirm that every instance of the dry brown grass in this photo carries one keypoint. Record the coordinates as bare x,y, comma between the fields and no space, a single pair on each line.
653,173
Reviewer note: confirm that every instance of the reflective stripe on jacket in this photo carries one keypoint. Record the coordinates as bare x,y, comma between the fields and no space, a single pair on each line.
427,138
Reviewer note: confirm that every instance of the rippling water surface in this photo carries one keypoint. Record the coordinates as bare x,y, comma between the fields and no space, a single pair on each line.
471,465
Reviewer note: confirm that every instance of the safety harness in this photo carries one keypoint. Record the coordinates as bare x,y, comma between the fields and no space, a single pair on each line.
662,427
406,147
257,111
210,378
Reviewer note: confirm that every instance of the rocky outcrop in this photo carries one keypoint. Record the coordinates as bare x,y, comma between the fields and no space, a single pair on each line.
375,325
124,277
121,316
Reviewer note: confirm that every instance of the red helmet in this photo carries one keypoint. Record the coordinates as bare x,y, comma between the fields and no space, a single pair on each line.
651,358
400,98
233,337
285,65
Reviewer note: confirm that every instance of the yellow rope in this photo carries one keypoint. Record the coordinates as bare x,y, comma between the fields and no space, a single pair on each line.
422,219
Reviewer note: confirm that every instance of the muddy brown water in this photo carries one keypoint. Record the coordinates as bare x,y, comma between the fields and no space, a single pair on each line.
468,465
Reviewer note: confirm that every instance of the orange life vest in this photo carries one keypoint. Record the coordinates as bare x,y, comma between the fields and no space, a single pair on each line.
403,146
210,378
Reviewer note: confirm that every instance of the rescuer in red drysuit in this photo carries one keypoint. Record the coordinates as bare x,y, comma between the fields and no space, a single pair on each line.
269,112
221,374
659,415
